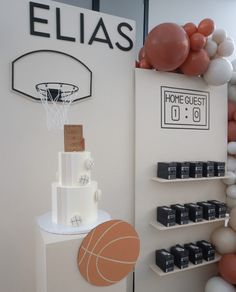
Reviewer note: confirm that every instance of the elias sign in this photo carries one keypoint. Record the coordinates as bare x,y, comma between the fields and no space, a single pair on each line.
99,34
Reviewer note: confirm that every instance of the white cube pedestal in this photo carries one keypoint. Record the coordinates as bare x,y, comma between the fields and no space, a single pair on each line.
57,267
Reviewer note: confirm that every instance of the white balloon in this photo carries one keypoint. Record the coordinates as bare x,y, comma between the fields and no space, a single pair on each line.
226,48
231,178
231,191
231,163
211,47
217,284
231,148
224,239
219,72
230,39
232,91
231,203
219,35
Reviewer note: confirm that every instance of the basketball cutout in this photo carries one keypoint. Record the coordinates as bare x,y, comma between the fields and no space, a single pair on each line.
108,253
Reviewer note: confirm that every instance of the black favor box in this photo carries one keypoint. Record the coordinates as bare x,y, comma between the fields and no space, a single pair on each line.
164,260
166,216
181,214
208,250
182,170
220,207
208,169
219,168
195,212
181,256
196,169
167,170
195,253
209,210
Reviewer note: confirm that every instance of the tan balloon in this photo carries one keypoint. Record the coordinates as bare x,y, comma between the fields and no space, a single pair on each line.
231,203
232,220
224,239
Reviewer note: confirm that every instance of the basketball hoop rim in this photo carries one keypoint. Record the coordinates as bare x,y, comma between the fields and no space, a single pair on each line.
69,92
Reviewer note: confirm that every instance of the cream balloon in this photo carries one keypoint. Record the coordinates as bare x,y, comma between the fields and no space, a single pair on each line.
231,178
231,203
224,239
231,148
218,284
231,191
225,49
231,163
232,220
211,47
234,64
219,72
219,35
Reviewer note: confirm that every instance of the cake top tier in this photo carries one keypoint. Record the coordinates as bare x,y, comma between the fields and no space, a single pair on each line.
73,138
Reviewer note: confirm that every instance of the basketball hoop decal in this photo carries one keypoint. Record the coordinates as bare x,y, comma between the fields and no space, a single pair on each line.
35,69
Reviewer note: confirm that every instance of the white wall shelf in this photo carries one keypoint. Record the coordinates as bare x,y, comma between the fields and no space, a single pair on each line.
191,266
162,180
162,227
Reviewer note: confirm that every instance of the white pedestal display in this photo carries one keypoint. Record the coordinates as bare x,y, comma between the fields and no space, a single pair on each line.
57,266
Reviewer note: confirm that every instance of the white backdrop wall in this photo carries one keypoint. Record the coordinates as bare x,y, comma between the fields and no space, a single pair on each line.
29,151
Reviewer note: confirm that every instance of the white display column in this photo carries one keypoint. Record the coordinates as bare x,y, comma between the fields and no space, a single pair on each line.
57,265
178,118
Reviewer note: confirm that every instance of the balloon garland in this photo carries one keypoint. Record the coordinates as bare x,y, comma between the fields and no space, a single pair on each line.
191,50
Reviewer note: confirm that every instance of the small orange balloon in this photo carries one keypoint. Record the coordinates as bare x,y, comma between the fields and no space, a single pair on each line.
144,64
190,28
227,267
141,54
196,64
206,26
197,41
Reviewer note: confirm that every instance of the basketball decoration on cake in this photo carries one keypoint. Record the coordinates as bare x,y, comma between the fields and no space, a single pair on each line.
108,253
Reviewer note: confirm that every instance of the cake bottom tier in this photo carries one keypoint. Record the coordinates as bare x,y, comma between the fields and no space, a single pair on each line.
74,205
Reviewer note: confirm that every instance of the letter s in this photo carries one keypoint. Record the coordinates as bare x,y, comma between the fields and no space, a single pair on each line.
119,29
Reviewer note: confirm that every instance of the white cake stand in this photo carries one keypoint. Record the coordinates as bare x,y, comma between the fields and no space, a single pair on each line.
45,223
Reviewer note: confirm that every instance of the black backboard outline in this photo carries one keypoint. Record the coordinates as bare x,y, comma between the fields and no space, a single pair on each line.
48,51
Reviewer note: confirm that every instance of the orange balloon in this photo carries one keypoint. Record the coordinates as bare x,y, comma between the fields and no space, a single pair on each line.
167,46
206,26
144,64
231,110
231,131
197,41
190,28
196,63
227,267
141,54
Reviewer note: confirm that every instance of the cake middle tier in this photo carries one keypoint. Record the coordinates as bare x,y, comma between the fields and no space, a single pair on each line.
74,168
75,205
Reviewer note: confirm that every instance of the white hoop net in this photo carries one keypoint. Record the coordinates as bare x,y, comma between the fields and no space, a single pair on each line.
56,99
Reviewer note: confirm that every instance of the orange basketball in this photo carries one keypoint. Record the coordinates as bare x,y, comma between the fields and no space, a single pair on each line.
108,253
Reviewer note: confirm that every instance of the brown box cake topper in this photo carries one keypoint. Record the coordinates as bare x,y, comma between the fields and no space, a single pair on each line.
73,138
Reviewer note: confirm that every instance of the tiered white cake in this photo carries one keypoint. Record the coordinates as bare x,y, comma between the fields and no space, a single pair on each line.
75,197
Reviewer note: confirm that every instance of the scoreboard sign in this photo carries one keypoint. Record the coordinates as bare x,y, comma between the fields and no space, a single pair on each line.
185,108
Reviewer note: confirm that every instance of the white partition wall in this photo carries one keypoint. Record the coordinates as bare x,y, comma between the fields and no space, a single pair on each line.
162,136
105,44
